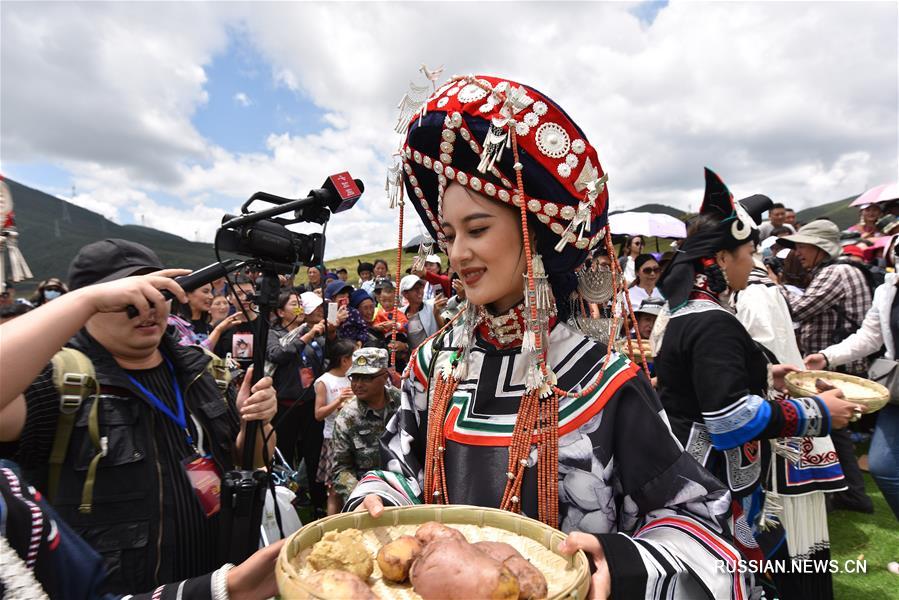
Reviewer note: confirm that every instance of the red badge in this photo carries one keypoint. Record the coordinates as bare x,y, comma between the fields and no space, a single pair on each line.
207,484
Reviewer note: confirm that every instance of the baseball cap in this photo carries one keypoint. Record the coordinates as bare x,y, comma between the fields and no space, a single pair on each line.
310,301
336,287
368,361
853,250
408,282
433,258
111,259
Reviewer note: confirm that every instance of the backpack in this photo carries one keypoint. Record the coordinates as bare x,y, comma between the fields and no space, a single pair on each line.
75,380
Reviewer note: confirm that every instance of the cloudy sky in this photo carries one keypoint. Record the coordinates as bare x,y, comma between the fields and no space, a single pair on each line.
170,114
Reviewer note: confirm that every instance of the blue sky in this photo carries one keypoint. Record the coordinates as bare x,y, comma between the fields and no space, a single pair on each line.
246,103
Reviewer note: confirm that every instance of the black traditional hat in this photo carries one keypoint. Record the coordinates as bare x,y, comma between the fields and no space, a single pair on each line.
737,224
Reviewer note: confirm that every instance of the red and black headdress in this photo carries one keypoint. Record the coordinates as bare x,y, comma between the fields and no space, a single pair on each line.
465,136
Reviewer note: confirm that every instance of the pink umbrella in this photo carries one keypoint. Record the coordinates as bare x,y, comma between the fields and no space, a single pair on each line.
880,193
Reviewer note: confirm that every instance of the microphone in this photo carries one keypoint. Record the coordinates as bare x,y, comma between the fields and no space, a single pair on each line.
197,279
342,192
338,193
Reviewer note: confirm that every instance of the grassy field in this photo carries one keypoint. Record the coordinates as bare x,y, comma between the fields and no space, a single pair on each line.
351,262
873,538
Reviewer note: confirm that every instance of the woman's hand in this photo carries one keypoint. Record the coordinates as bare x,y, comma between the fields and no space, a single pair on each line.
439,305
255,577
372,505
259,403
230,321
398,346
316,330
842,412
601,580
779,372
459,289
342,315
815,362
346,394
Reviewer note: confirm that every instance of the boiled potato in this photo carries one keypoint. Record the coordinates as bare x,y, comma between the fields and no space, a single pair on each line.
333,583
396,557
451,569
432,530
343,550
531,582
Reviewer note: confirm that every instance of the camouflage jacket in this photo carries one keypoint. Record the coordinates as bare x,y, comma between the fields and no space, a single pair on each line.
354,443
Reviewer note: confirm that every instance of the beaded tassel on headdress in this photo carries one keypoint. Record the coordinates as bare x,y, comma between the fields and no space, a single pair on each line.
394,184
470,316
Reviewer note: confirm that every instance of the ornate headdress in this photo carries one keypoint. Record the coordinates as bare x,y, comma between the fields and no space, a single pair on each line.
515,145
737,224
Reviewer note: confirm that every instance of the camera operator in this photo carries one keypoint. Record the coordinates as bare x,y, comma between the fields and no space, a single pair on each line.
119,463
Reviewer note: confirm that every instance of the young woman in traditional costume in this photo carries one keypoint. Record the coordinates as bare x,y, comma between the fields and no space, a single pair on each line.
508,406
713,379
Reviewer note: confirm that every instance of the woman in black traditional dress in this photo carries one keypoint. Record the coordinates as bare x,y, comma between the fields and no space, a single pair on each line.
713,378
509,406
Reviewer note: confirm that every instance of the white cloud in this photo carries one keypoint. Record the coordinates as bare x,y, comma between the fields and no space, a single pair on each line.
796,100
242,99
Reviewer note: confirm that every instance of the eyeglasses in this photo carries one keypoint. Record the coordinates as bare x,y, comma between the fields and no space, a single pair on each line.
651,270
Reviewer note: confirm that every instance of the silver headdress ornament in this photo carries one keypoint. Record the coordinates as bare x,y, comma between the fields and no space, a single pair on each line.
592,185
394,184
414,101
432,76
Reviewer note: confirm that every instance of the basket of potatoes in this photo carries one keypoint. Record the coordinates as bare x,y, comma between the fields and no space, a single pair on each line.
426,552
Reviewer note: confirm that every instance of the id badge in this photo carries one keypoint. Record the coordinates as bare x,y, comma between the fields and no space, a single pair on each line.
207,484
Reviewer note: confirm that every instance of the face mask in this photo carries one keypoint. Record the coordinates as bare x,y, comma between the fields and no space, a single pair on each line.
51,294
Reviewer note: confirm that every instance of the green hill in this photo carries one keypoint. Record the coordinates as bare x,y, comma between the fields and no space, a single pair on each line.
839,212
655,208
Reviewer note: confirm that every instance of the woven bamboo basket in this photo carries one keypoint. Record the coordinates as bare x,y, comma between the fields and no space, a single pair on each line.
639,350
567,578
860,390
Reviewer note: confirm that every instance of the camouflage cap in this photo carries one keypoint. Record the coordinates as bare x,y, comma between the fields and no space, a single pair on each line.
368,361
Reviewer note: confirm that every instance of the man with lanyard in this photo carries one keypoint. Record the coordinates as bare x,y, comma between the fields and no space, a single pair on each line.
139,476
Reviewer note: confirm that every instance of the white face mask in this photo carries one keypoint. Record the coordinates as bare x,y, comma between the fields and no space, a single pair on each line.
52,294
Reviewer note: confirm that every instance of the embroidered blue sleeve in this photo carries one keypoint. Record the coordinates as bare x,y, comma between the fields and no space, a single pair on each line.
738,423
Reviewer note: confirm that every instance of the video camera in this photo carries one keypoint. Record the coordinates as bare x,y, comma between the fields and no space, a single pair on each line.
264,237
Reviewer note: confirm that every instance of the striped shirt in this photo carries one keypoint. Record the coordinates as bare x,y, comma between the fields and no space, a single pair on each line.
835,287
